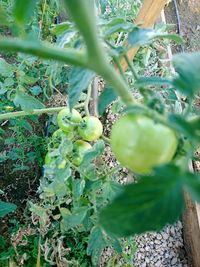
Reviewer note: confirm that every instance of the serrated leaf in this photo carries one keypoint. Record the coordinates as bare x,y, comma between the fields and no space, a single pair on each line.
187,65
6,208
23,11
27,102
97,242
107,96
73,219
146,206
142,36
6,69
79,80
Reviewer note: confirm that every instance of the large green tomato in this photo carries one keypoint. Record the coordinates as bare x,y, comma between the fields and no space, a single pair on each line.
90,129
141,144
65,117
79,149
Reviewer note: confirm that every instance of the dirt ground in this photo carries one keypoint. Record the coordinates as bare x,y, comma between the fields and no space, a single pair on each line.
189,14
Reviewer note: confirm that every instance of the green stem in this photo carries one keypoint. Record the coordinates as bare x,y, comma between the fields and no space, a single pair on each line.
11,115
108,72
83,14
68,56
117,62
106,139
87,100
130,65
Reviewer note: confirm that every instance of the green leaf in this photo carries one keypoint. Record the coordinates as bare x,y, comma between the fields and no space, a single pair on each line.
192,184
6,208
6,69
61,28
93,153
27,102
147,205
188,128
79,80
117,25
25,79
144,81
3,17
142,36
187,65
111,189
97,242
73,219
36,90
41,212
78,186
23,11
107,96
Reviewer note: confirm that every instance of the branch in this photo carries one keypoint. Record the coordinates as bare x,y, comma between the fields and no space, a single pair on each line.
68,56
11,115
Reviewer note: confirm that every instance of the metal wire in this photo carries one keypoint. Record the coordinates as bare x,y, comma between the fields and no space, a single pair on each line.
178,22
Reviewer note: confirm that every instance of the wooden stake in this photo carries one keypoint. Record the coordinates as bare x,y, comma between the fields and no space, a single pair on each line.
147,16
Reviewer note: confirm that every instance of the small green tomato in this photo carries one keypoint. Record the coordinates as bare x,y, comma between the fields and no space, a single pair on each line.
90,129
79,149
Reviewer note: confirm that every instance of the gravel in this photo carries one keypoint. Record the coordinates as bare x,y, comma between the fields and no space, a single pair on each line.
163,249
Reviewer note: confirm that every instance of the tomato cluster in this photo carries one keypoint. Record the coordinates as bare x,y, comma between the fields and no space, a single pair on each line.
78,131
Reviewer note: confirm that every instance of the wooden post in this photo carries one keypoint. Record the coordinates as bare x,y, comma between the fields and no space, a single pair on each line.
147,16
191,229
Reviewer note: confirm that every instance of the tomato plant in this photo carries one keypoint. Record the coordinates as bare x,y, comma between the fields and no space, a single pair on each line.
90,129
150,139
139,143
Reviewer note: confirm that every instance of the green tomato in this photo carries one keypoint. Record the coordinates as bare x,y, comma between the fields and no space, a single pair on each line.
48,159
79,149
140,144
90,129
58,135
65,117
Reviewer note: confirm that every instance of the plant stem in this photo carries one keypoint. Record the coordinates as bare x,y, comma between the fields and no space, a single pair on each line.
106,139
87,100
117,62
130,65
11,115
68,56
108,72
